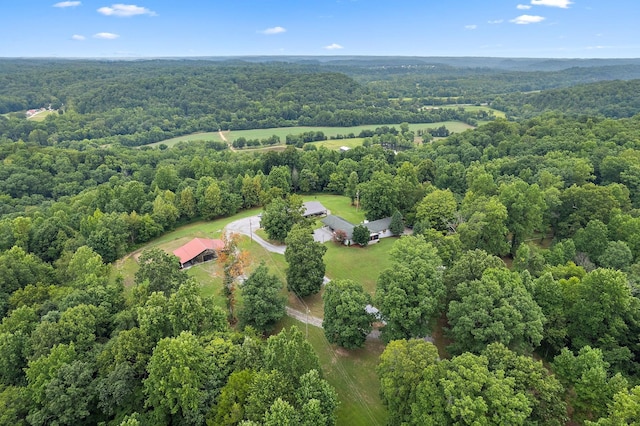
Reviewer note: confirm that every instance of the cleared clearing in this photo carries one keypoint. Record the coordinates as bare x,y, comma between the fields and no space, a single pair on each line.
282,132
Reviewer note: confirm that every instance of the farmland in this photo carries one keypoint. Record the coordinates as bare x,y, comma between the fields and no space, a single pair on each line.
282,132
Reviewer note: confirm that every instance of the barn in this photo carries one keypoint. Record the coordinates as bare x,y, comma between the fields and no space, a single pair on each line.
198,250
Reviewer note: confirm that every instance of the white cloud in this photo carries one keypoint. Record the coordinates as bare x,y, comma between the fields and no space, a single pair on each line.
106,36
125,10
274,30
523,6
527,19
333,46
78,37
497,21
471,27
564,4
67,4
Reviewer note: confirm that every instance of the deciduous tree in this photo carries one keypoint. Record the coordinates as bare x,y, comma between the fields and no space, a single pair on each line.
401,370
410,293
263,303
496,308
346,321
360,235
305,273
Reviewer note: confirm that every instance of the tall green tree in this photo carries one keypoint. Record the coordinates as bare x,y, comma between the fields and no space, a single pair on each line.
178,378
263,304
592,239
291,354
361,235
590,387
397,224
470,266
496,308
410,293
437,208
464,390
305,273
525,206
161,270
485,227
401,370
601,314
531,378
280,216
346,320
379,196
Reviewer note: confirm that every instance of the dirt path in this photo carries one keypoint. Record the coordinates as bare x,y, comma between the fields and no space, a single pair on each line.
224,138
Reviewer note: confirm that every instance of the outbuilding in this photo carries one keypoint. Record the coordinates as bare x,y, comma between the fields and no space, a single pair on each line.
198,250
314,209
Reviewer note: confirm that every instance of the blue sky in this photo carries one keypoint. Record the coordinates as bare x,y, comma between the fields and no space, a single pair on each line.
161,28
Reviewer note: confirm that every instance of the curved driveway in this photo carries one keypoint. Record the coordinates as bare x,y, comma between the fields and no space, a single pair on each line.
247,226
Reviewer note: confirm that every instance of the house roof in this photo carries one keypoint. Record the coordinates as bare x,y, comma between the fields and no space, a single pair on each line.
337,223
196,246
379,225
313,208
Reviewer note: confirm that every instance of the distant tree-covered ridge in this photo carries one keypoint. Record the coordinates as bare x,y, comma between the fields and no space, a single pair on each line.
524,255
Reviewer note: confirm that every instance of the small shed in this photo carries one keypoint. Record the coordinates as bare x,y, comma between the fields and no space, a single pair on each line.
314,209
198,250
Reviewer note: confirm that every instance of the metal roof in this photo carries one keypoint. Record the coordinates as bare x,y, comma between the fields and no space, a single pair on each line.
379,225
312,208
337,223
196,246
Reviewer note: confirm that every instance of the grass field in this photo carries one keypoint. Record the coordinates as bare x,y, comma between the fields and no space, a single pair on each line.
353,375
338,205
361,264
475,108
42,115
282,132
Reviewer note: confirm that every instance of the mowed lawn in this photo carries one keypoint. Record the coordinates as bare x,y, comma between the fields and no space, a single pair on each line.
352,373
360,264
338,205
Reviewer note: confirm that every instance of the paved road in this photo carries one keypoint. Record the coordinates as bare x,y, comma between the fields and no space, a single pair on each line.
247,226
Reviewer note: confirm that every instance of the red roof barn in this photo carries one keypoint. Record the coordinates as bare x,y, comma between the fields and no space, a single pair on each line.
198,250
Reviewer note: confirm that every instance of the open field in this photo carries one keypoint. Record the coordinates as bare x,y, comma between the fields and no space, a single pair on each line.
338,205
360,264
41,115
128,266
353,375
282,132
474,108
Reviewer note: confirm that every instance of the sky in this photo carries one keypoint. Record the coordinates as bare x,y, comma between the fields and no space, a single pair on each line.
191,28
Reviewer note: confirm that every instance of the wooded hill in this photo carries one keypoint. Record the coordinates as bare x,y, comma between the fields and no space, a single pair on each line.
555,196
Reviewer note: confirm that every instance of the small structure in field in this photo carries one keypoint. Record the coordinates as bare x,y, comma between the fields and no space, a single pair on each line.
377,229
314,209
198,250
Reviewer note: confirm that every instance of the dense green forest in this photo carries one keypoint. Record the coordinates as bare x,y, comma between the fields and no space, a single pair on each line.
525,244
